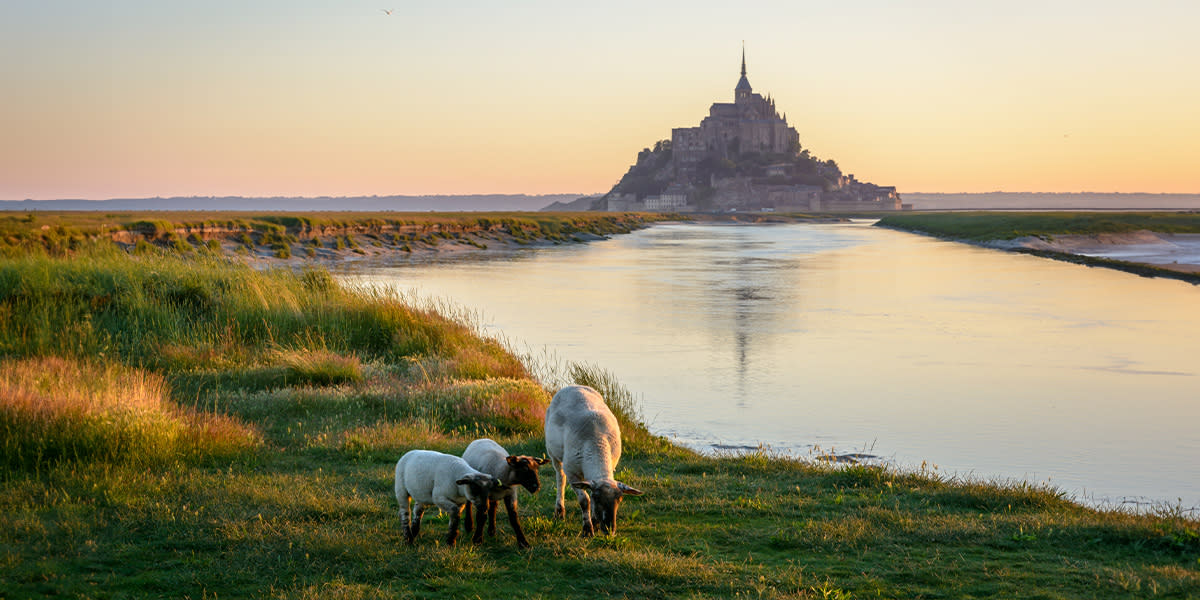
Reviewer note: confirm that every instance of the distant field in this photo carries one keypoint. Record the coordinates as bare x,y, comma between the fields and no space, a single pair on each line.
985,226
295,233
1052,201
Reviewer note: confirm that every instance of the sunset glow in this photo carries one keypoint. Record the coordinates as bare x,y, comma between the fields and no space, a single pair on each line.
132,99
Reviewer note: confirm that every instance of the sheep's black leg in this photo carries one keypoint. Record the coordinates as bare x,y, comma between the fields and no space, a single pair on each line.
510,506
491,514
585,505
452,536
414,526
405,523
469,521
480,515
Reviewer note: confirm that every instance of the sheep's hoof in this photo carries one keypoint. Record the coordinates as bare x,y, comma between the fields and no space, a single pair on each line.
560,512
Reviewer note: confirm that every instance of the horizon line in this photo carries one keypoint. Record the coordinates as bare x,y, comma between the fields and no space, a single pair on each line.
533,195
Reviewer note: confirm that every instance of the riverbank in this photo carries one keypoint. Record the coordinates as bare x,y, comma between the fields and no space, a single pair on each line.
285,400
1161,244
300,238
297,239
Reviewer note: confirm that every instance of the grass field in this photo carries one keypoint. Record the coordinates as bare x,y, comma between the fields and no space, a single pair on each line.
187,427
987,226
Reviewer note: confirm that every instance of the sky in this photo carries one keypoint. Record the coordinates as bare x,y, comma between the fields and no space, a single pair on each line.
127,98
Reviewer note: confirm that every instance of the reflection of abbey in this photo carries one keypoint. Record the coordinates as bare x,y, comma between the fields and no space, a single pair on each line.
743,156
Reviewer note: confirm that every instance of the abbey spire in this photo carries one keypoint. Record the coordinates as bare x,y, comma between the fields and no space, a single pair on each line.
743,89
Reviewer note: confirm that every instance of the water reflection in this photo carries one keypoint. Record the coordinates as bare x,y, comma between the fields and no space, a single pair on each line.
850,337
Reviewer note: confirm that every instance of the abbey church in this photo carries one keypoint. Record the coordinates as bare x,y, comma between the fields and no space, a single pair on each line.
749,123
742,156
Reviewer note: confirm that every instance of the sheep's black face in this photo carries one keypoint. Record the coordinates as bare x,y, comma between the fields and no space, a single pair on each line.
529,480
479,487
525,471
605,501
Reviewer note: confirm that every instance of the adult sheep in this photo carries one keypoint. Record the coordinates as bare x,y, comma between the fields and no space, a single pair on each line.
434,479
583,440
487,456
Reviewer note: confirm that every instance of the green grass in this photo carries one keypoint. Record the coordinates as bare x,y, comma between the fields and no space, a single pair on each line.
986,226
272,406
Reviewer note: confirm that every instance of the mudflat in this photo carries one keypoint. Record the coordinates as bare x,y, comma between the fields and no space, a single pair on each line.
1174,251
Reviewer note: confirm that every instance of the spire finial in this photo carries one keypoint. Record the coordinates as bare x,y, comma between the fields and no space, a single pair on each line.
743,58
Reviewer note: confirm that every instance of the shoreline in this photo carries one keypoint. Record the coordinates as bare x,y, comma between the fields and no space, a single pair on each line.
1085,249
329,257
326,251
1152,249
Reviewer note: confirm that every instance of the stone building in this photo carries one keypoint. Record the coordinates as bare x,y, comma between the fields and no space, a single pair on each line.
742,157
749,124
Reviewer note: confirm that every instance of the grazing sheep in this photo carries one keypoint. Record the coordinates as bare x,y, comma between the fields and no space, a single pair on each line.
583,440
447,482
489,457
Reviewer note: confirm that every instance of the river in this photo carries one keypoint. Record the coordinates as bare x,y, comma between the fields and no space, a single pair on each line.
851,339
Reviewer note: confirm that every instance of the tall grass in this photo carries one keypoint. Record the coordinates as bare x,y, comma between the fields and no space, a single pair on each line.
624,405
618,397
54,410
166,313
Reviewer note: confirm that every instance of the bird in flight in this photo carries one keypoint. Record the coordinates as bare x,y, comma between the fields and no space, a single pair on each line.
388,11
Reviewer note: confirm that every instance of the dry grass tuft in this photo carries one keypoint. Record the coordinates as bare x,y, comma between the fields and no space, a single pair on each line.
388,440
54,410
320,366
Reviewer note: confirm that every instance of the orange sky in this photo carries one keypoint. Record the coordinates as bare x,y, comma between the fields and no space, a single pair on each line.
134,99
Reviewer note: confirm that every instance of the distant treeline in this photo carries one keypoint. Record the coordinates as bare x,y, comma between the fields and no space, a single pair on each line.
478,202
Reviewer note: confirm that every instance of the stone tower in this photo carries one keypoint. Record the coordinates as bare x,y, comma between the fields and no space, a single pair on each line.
742,92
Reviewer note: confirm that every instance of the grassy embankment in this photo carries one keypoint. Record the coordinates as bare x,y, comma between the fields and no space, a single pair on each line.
188,427
324,235
982,227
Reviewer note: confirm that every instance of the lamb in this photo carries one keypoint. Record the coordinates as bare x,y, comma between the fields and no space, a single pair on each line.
583,440
489,457
434,479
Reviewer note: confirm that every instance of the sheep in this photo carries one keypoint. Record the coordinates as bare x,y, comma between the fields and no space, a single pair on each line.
447,482
583,440
489,457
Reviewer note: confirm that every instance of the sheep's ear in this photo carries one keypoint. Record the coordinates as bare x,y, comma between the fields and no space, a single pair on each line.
582,485
541,461
628,491
463,481
513,460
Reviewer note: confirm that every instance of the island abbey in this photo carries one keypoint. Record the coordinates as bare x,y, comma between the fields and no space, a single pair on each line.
742,156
